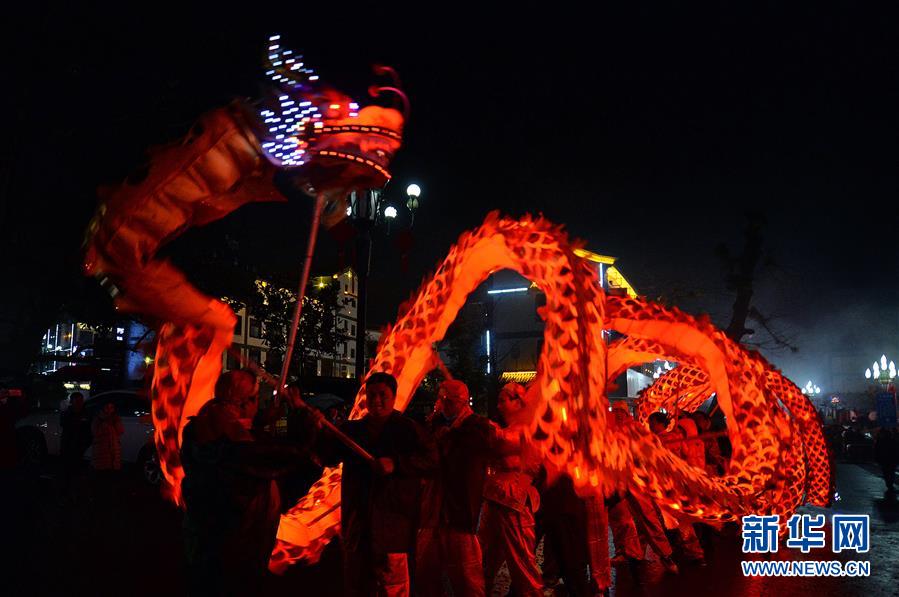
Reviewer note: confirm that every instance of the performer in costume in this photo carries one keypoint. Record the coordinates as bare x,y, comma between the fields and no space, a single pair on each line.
507,531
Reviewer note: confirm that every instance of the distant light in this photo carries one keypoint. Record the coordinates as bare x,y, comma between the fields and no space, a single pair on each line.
413,190
868,373
488,351
505,290
390,211
883,361
349,211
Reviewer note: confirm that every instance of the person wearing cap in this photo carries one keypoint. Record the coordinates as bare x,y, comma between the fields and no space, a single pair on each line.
506,533
379,499
447,542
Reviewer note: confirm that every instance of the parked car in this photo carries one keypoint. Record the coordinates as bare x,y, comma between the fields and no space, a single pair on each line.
39,433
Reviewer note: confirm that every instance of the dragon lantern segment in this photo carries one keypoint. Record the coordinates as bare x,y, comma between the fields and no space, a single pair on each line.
303,136
779,459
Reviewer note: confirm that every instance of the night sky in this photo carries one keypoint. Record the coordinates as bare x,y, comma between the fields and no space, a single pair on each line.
649,132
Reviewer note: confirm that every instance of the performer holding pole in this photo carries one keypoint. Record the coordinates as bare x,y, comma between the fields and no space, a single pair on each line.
248,363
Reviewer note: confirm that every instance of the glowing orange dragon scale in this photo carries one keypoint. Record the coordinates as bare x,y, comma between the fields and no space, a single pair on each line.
304,136
779,460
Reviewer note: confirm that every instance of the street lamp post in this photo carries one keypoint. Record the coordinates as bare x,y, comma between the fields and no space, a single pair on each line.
811,389
366,209
884,374
881,372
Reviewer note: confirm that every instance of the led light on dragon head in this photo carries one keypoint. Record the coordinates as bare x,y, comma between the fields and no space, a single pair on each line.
332,143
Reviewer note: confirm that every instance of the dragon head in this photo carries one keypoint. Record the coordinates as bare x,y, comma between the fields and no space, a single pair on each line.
321,136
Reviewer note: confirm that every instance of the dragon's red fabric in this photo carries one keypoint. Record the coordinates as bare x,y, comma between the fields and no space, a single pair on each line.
217,168
779,457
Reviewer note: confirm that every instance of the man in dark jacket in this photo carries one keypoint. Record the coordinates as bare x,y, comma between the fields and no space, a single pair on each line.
447,541
75,439
231,498
380,498
76,431
886,452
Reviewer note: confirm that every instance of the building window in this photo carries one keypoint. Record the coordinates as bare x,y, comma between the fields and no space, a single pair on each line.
255,328
352,353
256,355
353,329
238,327
231,363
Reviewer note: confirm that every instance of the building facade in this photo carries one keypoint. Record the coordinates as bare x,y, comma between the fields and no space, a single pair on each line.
513,334
94,358
249,333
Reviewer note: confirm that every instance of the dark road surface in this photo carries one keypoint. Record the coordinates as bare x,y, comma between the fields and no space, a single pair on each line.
125,540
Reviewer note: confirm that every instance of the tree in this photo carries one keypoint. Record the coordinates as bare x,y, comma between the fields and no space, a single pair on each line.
317,331
740,276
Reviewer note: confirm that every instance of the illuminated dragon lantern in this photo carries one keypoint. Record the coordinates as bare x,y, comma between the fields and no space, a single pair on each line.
309,137
305,136
779,458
